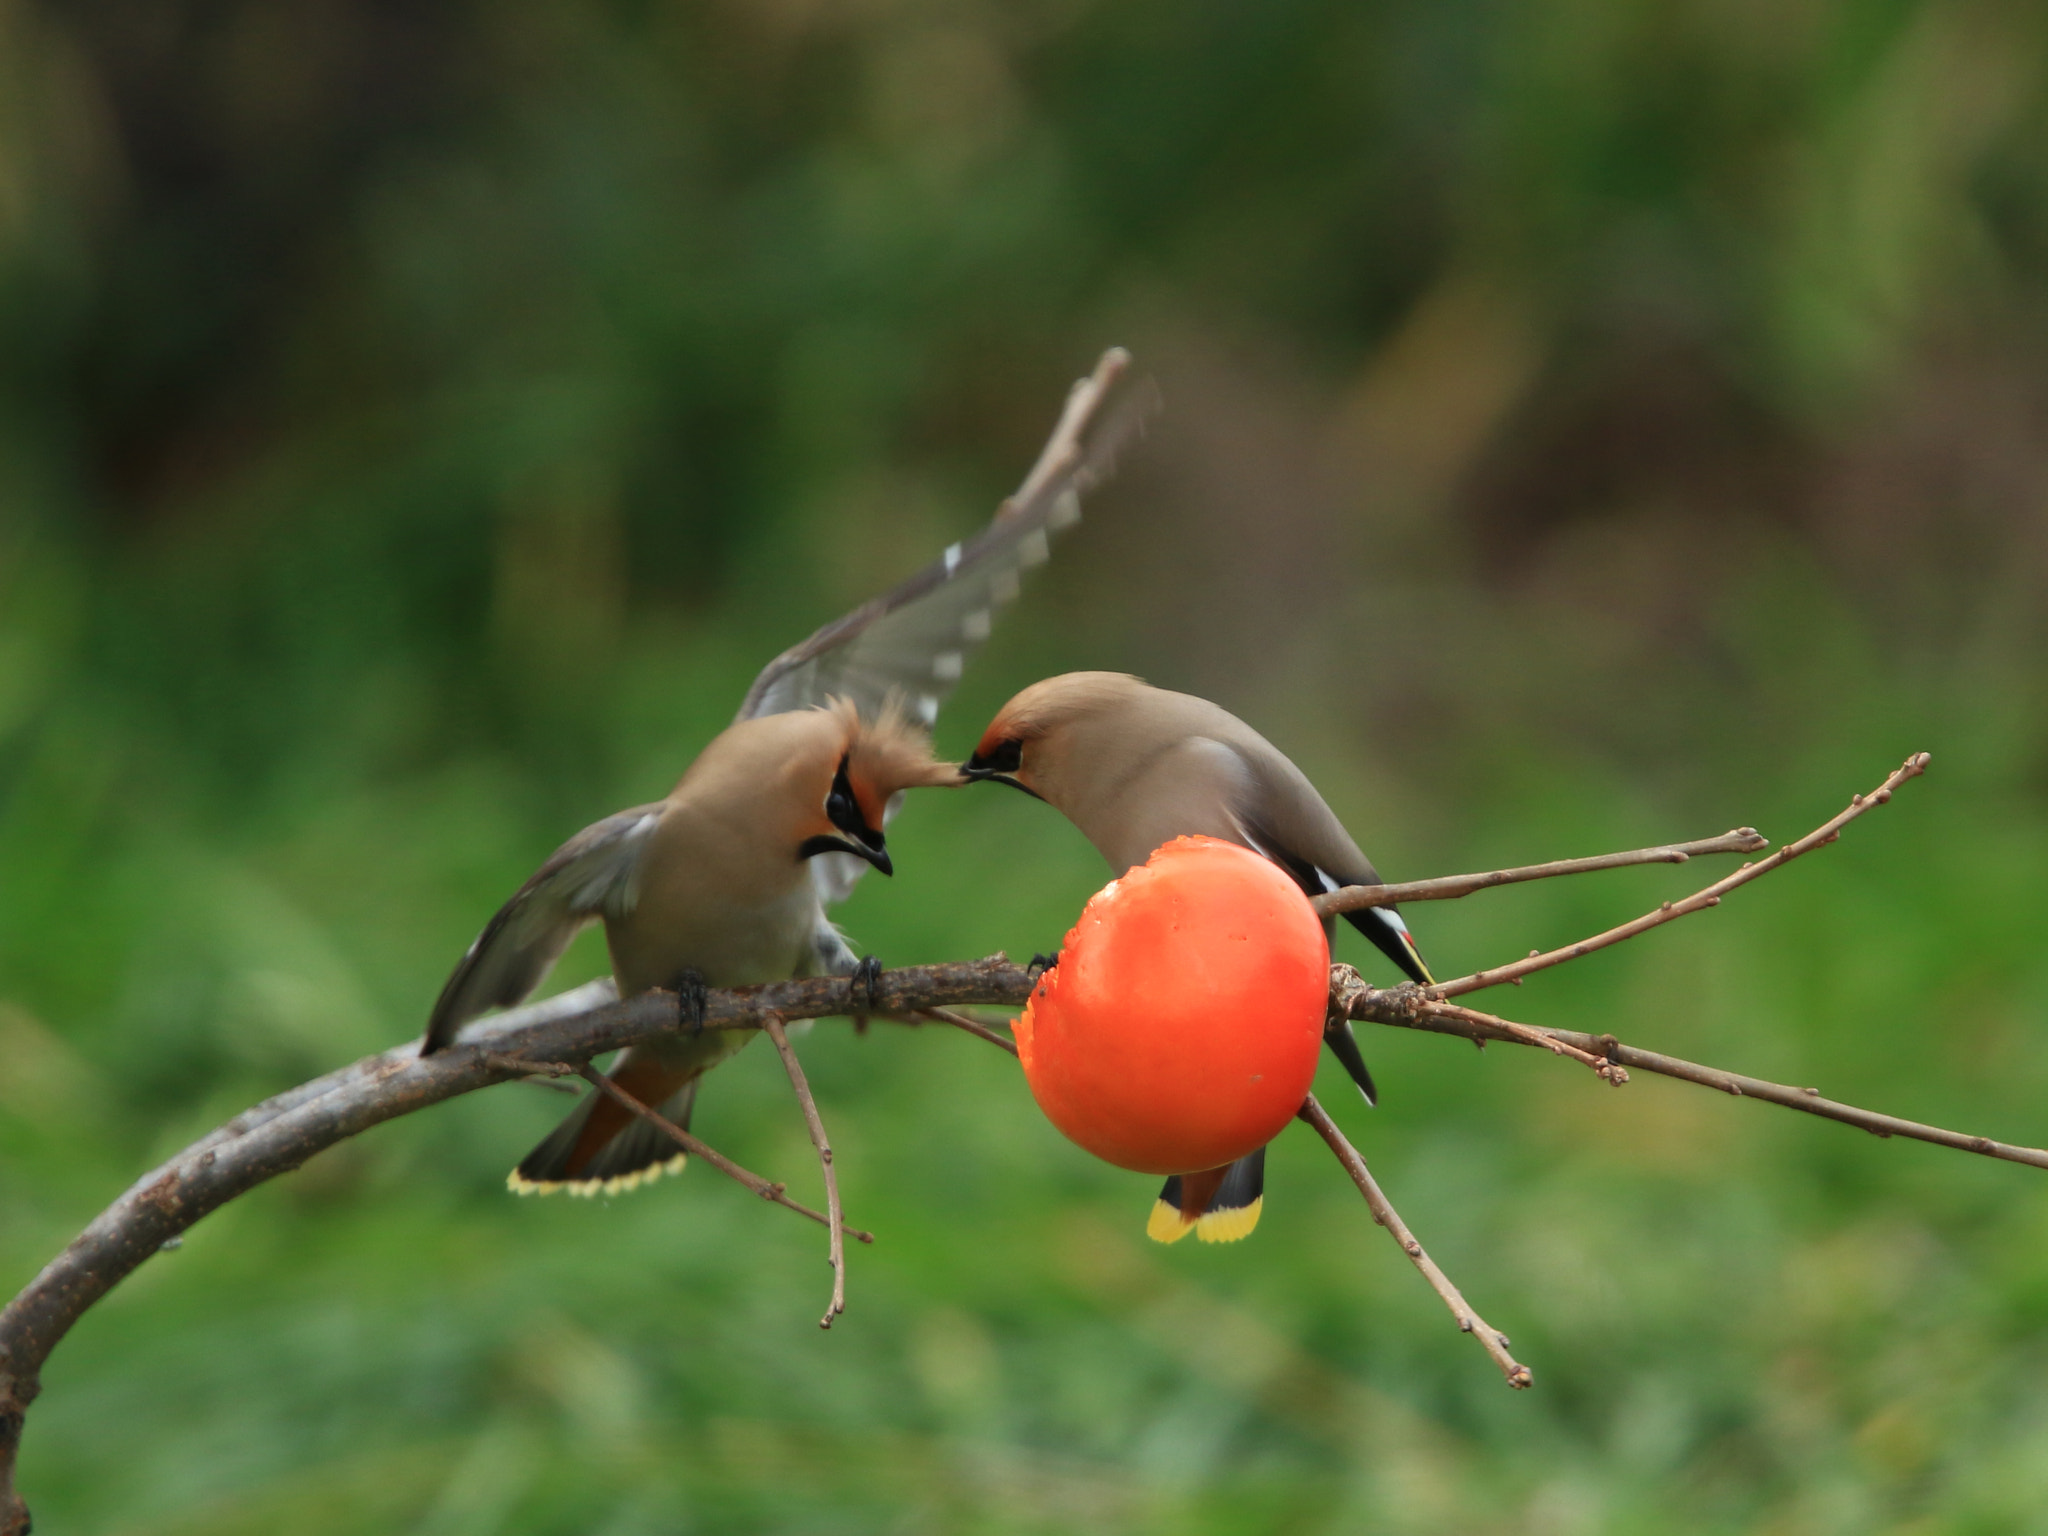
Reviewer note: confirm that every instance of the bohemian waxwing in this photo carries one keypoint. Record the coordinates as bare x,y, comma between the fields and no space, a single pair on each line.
1134,766
725,882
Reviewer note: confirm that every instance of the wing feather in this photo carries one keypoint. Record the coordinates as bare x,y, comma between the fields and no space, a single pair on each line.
912,643
594,874
915,641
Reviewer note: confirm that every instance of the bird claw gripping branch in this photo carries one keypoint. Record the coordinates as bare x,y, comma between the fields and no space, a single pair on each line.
862,987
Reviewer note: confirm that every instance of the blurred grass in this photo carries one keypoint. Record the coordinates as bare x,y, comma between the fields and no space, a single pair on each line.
1586,426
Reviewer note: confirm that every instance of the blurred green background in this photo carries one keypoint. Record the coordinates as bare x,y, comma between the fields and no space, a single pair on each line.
1587,424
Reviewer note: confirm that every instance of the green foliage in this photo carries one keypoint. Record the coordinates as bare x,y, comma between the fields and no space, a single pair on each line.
1587,425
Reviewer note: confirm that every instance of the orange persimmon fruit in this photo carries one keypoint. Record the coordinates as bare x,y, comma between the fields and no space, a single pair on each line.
1181,1027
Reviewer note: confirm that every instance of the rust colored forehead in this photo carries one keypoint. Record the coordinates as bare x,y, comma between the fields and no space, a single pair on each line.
997,733
1014,723
887,754
871,800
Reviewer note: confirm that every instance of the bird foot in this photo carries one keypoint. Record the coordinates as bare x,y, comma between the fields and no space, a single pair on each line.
691,999
866,977
1041,963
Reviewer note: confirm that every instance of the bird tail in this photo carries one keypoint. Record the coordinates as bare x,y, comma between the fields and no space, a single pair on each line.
603,1148
1390,936
1344,1046
1219,1205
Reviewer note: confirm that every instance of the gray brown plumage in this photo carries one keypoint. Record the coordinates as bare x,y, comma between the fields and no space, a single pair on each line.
1135,766
707,888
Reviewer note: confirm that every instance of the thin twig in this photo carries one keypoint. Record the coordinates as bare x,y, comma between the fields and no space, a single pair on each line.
1353,997
1827,832
535,1074
1351,898
1383,1212
1527,1034
775,1193
1464,1022
526,1071
551,1084
773,1026
973,1026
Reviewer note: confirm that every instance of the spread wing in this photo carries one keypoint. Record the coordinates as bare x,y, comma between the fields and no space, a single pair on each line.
595,874
915,641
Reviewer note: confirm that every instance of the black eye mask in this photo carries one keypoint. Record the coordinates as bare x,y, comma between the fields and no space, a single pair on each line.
842,809
999,766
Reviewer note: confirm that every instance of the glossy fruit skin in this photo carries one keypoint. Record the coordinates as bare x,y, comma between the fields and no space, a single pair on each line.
1182,1026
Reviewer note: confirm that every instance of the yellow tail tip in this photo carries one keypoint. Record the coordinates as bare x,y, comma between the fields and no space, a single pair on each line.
1166,1224
1422,965
519,1184
1229,1226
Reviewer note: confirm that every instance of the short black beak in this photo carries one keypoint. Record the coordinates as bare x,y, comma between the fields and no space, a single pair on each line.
878,855
975,771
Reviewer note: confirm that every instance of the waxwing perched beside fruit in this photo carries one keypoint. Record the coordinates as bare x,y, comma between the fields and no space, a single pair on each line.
1134,767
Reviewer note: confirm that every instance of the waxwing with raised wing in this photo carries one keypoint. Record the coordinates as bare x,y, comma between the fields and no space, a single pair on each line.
725,882
1135,766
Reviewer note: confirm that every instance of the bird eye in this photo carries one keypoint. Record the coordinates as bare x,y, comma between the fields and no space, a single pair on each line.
1008,756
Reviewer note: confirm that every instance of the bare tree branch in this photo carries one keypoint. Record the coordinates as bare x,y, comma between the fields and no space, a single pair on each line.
563,1033
1383,1212
283,1132
1385,1008
1827,832
1351,898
